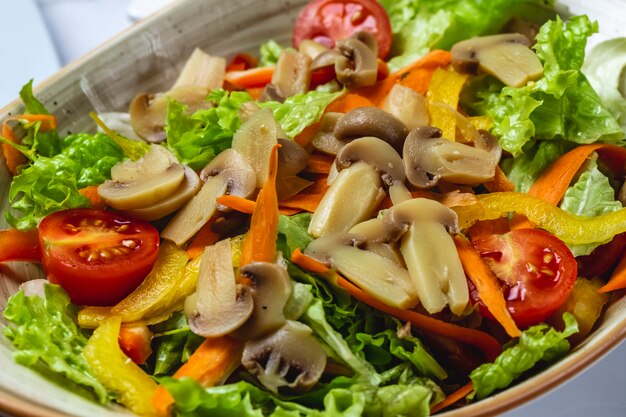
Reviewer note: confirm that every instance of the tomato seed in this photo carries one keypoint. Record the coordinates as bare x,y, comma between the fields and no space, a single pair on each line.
98,222
547,258
123,228
129,243
83,254
105,254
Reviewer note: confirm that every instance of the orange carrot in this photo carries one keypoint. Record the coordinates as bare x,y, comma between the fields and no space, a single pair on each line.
48,121
489,227
288,211
260,241
254,77
618,279
305,137
12,156
308,263
309,198
348,102
240,204
486,284
242,62
92,195
500,182
255,92
457,395
483,341
205,237
209,365
320,164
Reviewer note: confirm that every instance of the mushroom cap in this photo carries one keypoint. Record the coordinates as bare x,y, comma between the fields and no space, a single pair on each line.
231,166
371,121
398,218
375,152
357,66
322,248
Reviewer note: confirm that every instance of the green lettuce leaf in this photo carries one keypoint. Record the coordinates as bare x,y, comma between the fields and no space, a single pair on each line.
52,184
196,139
539,343
44,330
293,232
270,52
560,105
173,342
44,143
419,26
591,195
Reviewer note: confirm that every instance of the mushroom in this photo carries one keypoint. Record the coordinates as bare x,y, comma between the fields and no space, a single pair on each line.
428,158
185,191
506,56
219,305
408,106
382,157
357,66
292,159
325,139
271,93
254,141
227,173
292,74
34,287
377,239
311,48
290,357
270,289
202,69
380,277
429,253
353,196
371,121
141,183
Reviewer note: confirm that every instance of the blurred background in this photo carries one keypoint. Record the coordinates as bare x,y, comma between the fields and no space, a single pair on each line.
41,36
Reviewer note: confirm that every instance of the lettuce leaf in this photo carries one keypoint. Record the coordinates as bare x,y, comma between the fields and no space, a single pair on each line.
270,52
44,330
44,143
173,342
51,184
419,26
560,105
293,232
539,343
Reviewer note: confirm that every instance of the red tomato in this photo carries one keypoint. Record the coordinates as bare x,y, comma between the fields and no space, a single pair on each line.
135,342
536,269
326,21
19,246
97,256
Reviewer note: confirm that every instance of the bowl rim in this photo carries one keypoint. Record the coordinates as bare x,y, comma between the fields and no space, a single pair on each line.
593,348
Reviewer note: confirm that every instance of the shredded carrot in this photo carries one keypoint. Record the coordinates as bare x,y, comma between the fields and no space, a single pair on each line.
308,263
310,198
48,121
320,164
205,237
618,279
260,241
12,156
457,395
91,192
255,92
240,204
288,211
500,182
347,102
489,227
483,341
305,137
486,284
253,77
209,365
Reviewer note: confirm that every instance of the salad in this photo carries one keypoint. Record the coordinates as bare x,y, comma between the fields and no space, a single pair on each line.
412,207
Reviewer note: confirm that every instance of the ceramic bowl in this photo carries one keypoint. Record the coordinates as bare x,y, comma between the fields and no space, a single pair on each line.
147,57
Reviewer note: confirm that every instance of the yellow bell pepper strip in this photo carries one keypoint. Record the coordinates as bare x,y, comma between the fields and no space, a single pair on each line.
445,88
481,122
571,229
134,388
163,289
486,284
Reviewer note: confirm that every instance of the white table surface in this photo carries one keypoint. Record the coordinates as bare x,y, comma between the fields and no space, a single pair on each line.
64,30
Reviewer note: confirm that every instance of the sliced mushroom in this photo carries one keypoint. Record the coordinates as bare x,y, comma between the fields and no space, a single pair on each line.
371,121
311,48
292,159
325,139
506,56
141,183
228,173
430,254
290,357
270,288
219,305
428,158
255,139
357,66
375,234
408,106
292,74
380,277
203,70
185,191
271,93
353,197
247,109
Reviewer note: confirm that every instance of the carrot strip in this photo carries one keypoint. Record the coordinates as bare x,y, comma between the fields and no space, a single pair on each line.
240,204
12,156
309,199
209,365
320,164
242,62
48,121
486,284
91,192
483,341
348,102
305,137
205,237
308,263
488,227
500,182
457,395
255,92
260,241
254,77
618,279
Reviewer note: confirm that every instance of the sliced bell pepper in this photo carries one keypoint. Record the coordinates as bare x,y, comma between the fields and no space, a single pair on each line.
445,88
134,388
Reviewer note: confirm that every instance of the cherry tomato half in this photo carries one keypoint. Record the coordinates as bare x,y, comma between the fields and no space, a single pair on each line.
326,21
536,269
97,256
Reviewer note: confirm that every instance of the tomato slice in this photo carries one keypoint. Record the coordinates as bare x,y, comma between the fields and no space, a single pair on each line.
326,21
536,269
97,256
19,246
